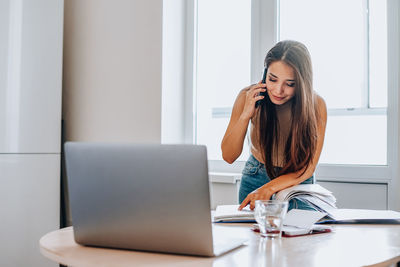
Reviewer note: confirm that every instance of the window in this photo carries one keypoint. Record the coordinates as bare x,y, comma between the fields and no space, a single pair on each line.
355,48
350,72
222,69
349,58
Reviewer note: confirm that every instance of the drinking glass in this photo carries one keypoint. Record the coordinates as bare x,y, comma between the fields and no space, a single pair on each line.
269,215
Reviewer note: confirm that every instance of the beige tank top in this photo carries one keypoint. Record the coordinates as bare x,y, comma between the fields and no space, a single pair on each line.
284,115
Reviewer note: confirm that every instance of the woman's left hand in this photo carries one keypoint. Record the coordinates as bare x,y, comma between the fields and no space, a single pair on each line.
261,193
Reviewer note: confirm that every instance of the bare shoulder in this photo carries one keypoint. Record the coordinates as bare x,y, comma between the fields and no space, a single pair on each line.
240,99
243,92
319,101
320,106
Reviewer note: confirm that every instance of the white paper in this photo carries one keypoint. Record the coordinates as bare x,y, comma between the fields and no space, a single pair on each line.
231,212
310,188
304,219
363,214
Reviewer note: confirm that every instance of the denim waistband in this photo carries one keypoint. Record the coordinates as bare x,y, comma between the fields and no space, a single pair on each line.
260,165
256,163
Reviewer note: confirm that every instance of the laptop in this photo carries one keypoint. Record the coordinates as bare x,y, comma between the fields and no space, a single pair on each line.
147,197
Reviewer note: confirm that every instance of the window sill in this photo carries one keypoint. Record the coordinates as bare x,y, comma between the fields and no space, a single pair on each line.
224,177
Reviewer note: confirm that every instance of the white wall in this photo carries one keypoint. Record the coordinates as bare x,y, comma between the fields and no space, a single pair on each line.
112,75
173,76
112,70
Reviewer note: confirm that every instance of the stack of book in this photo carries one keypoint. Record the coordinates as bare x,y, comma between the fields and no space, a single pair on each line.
317,196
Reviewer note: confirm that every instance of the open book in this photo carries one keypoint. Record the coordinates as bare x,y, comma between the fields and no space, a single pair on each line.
230,213
317,196
321,199
314,194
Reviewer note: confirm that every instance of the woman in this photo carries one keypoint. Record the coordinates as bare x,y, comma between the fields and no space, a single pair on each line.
287,130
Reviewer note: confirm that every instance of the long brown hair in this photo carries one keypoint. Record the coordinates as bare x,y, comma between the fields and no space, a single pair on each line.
302,139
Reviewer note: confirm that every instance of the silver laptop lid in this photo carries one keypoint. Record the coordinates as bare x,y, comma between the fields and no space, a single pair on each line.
143,197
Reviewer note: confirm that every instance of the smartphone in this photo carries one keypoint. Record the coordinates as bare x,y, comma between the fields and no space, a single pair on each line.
263,81
294,231
289,231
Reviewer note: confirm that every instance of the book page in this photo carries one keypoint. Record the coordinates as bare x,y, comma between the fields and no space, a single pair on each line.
311,188
304,219
231,211
363,214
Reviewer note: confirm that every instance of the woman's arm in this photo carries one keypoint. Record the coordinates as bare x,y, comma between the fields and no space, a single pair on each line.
242,112
291,179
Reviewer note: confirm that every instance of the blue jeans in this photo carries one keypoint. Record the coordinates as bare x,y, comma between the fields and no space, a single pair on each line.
255,176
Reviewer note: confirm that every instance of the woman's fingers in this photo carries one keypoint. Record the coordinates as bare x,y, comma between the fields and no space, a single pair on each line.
252,96
258,86
259,90
251,199
256,92
252,204
244,203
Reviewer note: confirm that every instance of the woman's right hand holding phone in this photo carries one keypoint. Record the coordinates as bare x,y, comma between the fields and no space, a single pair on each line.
252,96
243,110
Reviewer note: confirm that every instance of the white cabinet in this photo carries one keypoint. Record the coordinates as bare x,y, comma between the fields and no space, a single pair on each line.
30,75
29,206
31,39
224,188
358,195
